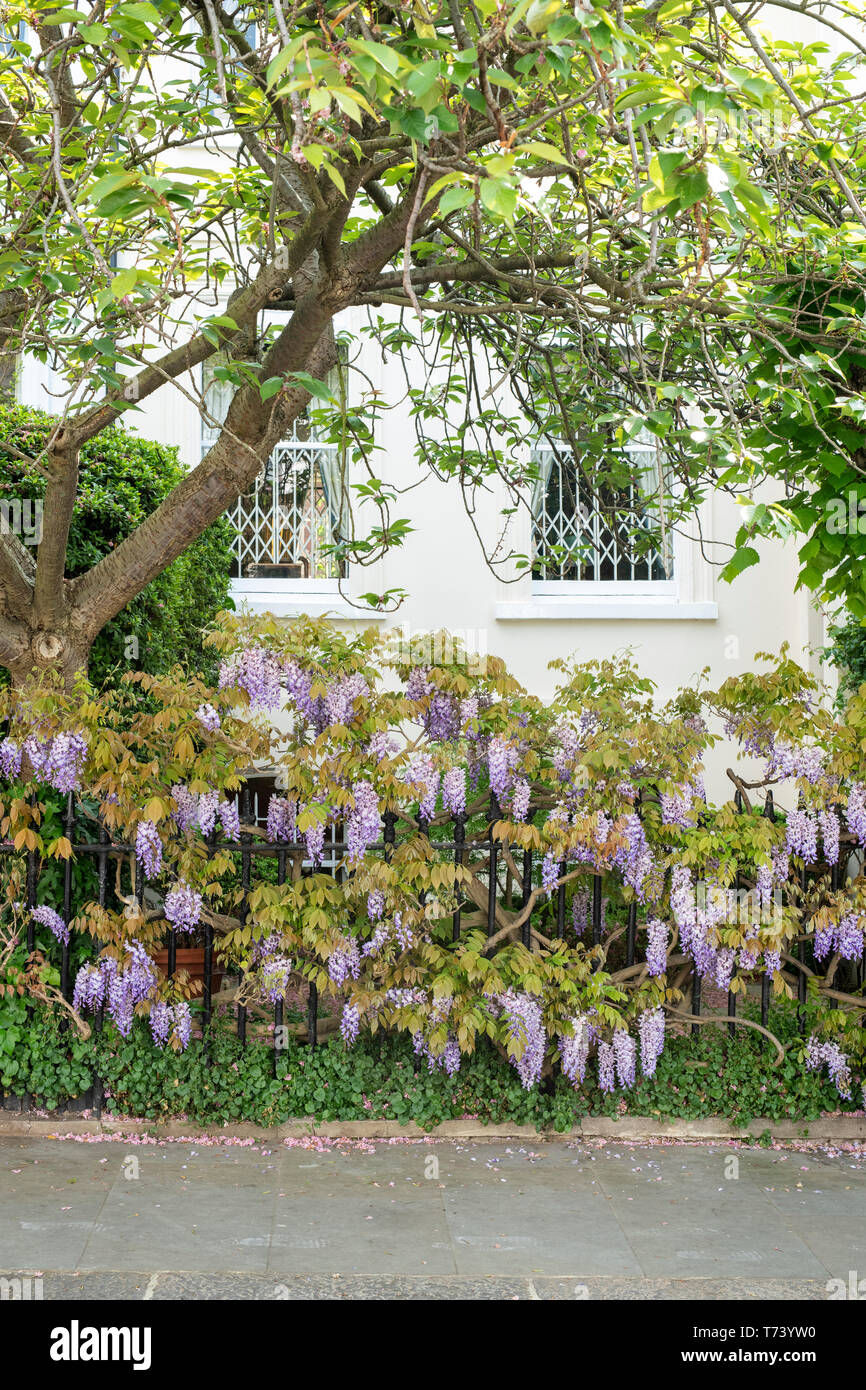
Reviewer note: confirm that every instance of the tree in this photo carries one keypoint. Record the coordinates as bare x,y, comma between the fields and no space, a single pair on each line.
548,183
122,479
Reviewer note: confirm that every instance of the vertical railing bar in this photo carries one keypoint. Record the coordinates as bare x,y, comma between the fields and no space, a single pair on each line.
208,965
278,1003
102,889
246,809
459,842
596,910
69,826
526,894
801,956
631,933
769,813
31,898
492,885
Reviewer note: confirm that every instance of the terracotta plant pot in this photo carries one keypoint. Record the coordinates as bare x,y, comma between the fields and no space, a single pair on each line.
191,959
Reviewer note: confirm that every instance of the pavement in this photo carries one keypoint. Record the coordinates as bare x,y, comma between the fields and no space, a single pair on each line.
140,1218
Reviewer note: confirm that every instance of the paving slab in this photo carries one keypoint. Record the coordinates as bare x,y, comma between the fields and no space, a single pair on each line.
389,1219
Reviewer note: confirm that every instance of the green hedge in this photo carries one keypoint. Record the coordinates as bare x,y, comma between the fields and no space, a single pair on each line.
696,1077
123,478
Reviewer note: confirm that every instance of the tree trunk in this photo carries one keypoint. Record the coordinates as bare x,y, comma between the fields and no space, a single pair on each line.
65,652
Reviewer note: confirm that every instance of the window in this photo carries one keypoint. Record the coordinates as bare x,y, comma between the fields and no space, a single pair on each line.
295,508
583,532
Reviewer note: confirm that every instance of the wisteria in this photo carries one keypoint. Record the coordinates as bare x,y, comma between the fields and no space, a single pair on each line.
422,773
520,799
53,921
275,973
344,963
600,786
855,813
829,1054
454,791
257,671
830,828
183,906
606,1067
801,835
502,759
651,1030
208,716
574,1049
282,818
350,1023
362,823
657,946
624,1051
148,848
170,1021
525,1028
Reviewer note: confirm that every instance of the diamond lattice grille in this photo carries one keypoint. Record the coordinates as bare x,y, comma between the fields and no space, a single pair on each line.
284,524
582,533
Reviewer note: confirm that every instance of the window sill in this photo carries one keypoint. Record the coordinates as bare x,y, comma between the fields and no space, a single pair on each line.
604,609
296,603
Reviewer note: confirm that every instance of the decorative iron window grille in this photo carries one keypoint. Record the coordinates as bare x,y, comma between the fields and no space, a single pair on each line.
293,512
588,533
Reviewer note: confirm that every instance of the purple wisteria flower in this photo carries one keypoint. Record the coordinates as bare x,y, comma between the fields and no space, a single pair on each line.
90,985
362,823
658,938
422,773
65,760
624,1051
635,861
549,872
651,1028
606,1067
53,921
830,1054
208,808
574,1049
350,1024
855,814
520,799
375,904
258,672
148,848
772,962
314,839
502,759
454,791
208,716
186,807
170,1019
230,819
276,971
183,906
725,960
801,835
282,817
344,962
830,828
525,1025
10,759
